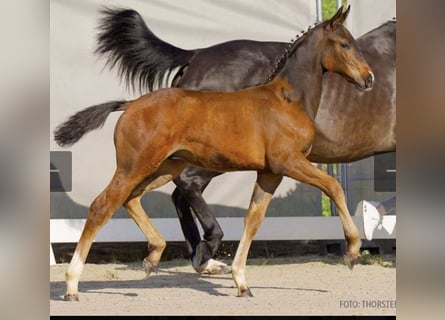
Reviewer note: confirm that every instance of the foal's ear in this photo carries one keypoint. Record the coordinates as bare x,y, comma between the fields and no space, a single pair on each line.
338,18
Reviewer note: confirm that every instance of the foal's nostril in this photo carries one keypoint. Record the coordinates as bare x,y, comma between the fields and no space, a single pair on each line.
369,80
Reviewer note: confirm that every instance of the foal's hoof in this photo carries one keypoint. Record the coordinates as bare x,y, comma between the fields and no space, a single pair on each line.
212,267
71,297
349,260
245,293
149,267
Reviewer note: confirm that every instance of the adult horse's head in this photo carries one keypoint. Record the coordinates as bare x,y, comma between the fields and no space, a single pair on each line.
341,53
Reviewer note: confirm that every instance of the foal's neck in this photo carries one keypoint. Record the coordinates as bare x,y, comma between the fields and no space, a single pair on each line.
304,74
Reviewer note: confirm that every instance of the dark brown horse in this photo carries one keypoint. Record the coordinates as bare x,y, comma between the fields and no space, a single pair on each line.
349,125
265,128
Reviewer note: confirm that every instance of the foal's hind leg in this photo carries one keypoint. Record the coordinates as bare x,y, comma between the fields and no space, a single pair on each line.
302,170
265,186
156,243
100,212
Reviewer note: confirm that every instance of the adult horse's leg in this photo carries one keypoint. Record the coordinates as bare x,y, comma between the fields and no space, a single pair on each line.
302,170
187,221
191,184
100,212
265,186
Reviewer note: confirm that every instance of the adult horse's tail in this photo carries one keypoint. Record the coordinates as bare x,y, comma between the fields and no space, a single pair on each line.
86,120
143,60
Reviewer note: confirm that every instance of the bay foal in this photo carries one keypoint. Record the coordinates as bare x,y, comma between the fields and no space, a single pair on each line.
263,128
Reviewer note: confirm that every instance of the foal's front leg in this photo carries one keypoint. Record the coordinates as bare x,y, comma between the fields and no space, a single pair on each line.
265,186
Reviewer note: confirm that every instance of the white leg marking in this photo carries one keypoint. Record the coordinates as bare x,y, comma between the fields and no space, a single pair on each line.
212,266
73,273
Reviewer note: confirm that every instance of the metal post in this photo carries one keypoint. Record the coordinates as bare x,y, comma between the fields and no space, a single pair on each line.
319,11
339,3
345,181
331,173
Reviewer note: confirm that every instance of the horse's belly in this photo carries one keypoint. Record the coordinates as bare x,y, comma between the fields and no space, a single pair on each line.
223,159
232,162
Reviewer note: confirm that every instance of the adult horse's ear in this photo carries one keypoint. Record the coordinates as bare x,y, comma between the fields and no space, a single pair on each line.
338,18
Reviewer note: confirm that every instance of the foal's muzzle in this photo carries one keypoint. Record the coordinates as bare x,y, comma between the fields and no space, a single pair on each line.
365,83
369,82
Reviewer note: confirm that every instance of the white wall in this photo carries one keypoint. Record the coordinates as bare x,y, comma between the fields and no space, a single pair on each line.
368,14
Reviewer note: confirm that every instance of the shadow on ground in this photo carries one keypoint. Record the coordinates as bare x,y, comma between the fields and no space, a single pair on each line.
167,279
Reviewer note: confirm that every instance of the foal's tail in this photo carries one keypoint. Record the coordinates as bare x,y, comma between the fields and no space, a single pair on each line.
86,120
143,60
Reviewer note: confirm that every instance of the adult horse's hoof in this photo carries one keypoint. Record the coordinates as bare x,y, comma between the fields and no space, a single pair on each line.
212,267
349,260
245,293
71,297
149,267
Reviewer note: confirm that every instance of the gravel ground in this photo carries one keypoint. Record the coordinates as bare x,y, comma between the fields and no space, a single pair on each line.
281,286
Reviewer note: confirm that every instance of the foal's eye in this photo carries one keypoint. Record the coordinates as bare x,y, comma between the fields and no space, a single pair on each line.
345,46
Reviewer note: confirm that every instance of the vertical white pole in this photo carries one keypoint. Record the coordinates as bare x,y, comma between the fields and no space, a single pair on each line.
339,3
319,10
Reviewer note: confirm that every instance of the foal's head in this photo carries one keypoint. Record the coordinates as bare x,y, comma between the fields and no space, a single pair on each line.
340,52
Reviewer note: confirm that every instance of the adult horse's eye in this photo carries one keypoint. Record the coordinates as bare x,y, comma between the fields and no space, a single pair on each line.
345,46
